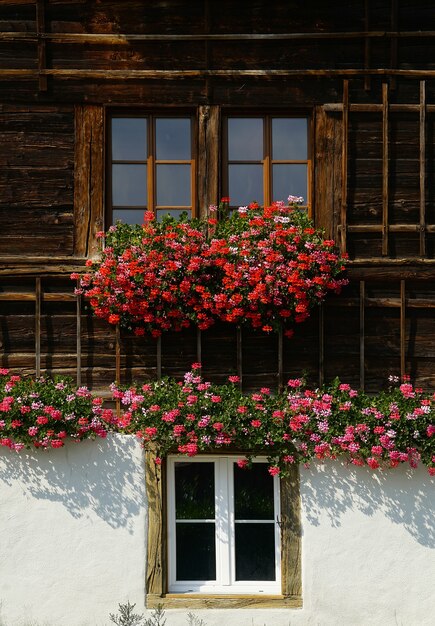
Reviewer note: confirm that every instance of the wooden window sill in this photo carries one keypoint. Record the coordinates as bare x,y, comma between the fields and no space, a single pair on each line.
207,601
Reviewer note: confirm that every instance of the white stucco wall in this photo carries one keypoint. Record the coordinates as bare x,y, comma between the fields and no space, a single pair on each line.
72,542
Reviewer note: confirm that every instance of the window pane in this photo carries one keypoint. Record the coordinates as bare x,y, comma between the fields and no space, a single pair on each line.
253,493
129,185
289,180
245,139
128,216
173,185
289,139
173,139
245,184
129,139
196,551
175,213
194,491
255,552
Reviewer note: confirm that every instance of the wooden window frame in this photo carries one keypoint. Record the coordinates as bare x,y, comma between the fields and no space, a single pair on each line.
157,556
151,161
267,160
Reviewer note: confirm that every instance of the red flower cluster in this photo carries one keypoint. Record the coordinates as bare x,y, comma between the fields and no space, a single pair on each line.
263,267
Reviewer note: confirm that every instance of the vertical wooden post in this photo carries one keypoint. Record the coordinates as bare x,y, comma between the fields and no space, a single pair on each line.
159,358
393,44
385,169
321,344
422,168
38,327
42,56
199,346
79,338
344,165
280,359
239,356
362,297
208,157
402,328
118,364
367,80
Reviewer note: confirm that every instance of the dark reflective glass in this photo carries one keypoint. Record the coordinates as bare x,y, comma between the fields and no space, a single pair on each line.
289,139
245,184
194,491
173,185
129,185
129,139
255,552
245,139
195,551
253,493
173,139
289,180
128,216
161,213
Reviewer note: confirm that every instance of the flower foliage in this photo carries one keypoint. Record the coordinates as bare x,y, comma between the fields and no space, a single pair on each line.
43,413
262,267
397,426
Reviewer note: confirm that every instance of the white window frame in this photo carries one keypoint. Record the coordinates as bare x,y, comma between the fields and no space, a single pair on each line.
225,582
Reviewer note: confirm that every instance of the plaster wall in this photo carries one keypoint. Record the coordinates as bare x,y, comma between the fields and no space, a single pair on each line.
73,528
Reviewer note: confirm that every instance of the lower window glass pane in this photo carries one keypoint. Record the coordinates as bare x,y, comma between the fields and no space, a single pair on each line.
173,185
255,552
128,216
245,184
175,213
289,180
196,551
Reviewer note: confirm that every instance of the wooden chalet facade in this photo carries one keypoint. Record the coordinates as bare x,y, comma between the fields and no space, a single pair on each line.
360,72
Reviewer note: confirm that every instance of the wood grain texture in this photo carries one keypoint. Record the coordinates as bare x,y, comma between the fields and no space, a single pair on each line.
88,179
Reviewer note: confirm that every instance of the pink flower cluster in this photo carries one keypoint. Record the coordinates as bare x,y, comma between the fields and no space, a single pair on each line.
396,426
43,413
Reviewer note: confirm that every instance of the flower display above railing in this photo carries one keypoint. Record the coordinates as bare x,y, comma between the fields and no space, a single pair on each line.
396,426
264,267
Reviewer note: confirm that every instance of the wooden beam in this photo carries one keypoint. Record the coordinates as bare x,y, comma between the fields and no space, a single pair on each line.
239,356
208,157
79,339
280,359
422,121
362,304
38,327
198,345
88,179
42,56
268,74
114,39
321,344
159,357
337,107
367,82
385,169
393,41
402,329
344,156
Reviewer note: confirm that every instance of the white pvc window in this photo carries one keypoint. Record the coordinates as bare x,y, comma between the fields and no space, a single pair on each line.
223,532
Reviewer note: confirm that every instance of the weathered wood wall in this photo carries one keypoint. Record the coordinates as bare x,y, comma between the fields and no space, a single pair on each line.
364,72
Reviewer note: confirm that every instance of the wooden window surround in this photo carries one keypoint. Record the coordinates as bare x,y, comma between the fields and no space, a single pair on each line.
266,158
157,558
151,165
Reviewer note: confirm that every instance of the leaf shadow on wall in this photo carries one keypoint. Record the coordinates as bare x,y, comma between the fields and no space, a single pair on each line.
404,496
102,476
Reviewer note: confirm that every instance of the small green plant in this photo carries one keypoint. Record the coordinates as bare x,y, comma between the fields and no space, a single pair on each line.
126,617
193,620
157,617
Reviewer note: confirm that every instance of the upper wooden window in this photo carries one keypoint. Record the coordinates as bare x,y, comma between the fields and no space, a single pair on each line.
152,167
266,158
